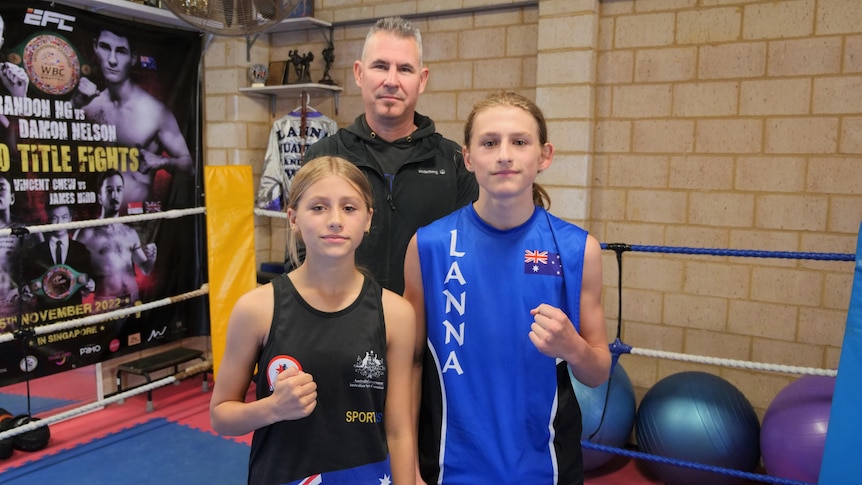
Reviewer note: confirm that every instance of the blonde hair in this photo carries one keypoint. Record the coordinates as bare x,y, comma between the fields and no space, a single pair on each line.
515,100
312,172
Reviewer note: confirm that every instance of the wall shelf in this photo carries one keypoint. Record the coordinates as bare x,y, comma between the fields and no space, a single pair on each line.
159,16
299,90
128,10
300,23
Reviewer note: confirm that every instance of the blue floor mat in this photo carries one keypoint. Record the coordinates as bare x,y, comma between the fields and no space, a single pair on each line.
17,404
157,452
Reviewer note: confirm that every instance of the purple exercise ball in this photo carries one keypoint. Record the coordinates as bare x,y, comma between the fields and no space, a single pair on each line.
793,433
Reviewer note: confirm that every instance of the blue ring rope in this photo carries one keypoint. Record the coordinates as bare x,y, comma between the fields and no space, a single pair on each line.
741,253
617,347
687,464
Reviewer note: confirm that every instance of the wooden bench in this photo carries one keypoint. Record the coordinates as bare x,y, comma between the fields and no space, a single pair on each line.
147,365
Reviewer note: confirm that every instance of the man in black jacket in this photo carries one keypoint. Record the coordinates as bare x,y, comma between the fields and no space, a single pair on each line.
417,175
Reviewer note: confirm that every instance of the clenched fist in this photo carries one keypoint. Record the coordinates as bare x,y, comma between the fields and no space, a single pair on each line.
14,78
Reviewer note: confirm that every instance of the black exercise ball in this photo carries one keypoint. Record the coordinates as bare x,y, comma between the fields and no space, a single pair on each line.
33,440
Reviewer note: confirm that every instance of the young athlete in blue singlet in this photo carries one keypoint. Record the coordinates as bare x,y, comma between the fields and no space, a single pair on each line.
333,350
510,296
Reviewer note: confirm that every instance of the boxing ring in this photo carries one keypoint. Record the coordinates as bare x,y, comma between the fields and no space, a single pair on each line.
841,441
231,256
842,444
76,323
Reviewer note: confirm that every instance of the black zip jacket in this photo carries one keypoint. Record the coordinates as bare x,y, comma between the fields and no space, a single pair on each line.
428,186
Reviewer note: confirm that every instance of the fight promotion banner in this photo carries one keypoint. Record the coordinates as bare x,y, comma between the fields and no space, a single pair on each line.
99,118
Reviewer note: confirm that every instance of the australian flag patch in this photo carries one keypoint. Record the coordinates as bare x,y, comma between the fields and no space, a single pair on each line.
542,262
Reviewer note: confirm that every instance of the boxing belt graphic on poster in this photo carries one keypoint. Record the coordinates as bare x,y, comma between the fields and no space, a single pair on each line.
59,282
51,61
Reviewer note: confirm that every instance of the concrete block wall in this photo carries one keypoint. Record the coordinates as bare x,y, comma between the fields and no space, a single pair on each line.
696,123
729,124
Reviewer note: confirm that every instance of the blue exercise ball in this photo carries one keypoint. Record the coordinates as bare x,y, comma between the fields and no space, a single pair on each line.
701,418
617,405
793,434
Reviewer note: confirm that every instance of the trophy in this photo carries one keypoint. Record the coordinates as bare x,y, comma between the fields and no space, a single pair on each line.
258,74
328,59
301,65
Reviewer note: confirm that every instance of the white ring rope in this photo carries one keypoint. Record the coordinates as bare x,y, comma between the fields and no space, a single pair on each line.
739,364
92,319
269,213
171,214
195,369
101,317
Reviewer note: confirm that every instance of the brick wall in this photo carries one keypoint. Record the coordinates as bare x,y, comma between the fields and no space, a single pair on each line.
729,124
704,123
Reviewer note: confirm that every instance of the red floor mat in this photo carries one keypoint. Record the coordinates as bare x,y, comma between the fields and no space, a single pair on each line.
183,403
187,404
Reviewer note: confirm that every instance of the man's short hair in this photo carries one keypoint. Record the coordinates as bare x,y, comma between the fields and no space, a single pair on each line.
113,30
399,27
108,174
50,206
